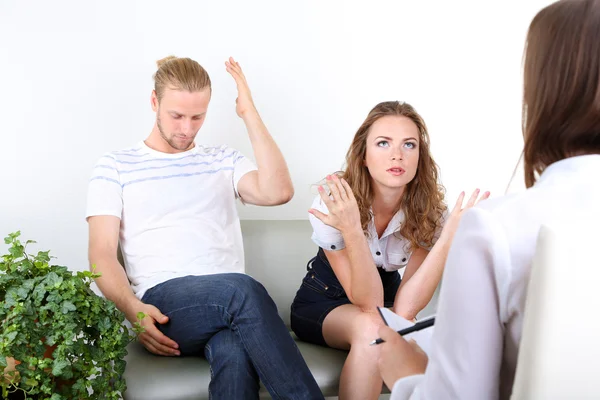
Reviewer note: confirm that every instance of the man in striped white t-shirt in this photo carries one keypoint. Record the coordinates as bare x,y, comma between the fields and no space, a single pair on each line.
171,204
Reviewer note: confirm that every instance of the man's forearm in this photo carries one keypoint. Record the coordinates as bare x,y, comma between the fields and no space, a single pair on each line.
114,285
273,175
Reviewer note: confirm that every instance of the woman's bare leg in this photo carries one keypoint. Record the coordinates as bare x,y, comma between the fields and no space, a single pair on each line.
348,327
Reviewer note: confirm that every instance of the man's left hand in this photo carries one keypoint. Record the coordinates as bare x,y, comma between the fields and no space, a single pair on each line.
244,103
399,358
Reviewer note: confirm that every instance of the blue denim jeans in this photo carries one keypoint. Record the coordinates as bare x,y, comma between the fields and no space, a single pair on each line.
232,321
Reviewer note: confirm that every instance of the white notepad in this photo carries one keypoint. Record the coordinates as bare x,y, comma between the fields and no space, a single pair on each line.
396,322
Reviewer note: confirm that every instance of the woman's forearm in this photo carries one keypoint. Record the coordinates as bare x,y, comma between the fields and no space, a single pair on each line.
416,291
365,283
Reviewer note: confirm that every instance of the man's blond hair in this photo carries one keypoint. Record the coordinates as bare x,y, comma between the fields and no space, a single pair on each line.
179,74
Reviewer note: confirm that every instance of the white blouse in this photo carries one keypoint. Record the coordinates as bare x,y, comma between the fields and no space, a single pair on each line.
390,251
475,344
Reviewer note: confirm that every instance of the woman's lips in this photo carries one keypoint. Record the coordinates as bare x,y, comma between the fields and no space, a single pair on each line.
396,171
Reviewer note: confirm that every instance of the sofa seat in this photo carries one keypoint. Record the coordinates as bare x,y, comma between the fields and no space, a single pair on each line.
276,253
151,377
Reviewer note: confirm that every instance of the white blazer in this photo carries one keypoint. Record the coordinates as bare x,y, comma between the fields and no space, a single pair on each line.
480,314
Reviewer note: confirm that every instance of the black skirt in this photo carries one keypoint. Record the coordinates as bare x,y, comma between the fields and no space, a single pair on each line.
321,292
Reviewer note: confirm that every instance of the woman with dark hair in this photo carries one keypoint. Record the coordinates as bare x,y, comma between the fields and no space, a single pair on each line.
384,213
480,318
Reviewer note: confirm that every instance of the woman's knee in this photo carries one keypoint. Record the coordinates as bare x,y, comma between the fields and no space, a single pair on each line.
365,326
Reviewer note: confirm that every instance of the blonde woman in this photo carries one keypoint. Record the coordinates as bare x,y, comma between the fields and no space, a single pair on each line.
384,213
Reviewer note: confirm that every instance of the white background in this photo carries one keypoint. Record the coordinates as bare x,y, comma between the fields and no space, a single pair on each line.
77,75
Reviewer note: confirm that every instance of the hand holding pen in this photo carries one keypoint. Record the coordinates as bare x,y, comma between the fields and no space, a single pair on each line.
426,323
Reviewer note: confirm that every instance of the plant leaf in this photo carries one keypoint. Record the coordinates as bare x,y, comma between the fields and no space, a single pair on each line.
16,251
53,279
120,366
58,367
22,292
67,306
11,336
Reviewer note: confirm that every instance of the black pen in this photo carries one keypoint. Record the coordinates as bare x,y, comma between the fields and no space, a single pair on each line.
416,327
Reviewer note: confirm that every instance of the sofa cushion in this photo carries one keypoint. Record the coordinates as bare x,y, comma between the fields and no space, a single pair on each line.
276,254
151,377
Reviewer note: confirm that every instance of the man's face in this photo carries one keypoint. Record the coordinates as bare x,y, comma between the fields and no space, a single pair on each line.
180,115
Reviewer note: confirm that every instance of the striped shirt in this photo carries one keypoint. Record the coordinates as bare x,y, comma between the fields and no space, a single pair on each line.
178,213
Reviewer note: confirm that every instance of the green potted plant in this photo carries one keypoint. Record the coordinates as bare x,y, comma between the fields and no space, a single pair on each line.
59,340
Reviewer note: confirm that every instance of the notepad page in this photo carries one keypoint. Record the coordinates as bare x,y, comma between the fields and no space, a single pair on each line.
396,322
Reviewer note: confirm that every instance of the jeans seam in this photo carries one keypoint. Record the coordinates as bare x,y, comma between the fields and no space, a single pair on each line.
337,294
323,315
236,330
255,366
326,312
196,305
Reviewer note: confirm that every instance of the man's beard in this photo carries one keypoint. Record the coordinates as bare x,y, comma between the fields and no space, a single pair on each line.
170,140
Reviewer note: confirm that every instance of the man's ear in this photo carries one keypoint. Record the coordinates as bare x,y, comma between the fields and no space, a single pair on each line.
154,101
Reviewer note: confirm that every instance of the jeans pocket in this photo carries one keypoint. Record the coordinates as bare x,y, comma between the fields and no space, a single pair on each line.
314,282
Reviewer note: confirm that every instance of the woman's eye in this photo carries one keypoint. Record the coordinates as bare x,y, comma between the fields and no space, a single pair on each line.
383,143
411,145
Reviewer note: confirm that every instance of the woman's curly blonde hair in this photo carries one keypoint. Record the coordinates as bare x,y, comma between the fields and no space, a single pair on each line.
423,199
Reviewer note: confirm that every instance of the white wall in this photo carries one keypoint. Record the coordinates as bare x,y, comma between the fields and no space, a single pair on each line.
76,81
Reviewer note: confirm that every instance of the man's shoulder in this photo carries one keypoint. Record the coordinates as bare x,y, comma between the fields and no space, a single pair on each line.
219,155
109,165
127,151
219,150
131,151
129,154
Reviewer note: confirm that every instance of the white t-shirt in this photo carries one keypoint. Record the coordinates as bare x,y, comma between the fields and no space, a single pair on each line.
475,346
390,252
178,213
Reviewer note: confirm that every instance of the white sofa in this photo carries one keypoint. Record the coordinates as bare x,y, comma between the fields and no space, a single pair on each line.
276,255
